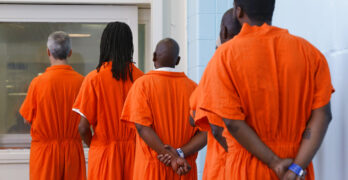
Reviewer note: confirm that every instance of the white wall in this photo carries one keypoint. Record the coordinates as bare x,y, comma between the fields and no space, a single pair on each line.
174,26
324,24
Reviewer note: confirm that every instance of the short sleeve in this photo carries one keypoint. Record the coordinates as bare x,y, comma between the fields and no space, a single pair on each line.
219,93
28,108
202,118
322,84
86,102
193,102
137,108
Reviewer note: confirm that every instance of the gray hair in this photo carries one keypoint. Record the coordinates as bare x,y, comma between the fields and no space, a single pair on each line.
59,44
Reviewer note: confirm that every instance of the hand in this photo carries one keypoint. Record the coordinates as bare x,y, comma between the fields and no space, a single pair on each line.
289,175
280,166
180,166
166,158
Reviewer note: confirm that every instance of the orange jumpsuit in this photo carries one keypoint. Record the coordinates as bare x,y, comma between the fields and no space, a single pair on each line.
100,100
214,167
273,81
56,149
160,100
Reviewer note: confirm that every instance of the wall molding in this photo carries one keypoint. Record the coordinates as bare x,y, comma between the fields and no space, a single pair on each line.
21,156
130,2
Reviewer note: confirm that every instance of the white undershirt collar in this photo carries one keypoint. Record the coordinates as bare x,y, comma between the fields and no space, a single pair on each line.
169,69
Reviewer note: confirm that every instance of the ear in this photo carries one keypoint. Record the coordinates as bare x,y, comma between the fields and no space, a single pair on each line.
70,53
178,61
239,12
240,15
48,52
154,59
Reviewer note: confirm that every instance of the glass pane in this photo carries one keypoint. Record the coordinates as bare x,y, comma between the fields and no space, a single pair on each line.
141,45
23,56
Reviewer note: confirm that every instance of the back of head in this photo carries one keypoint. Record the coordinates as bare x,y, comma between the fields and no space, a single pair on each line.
117,46
167,53
257,10
59,44
230,26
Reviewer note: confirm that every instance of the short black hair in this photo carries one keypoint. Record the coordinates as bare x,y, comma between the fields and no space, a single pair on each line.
257,10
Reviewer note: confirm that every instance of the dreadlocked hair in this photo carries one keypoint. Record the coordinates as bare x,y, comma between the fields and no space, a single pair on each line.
117,46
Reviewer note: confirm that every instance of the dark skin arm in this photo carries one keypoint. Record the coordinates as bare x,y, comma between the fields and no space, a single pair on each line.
312,138
150,137
248,138
217,133
85,131
196,143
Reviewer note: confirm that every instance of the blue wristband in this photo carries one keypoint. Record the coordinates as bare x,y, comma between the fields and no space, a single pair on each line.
296,169
180,153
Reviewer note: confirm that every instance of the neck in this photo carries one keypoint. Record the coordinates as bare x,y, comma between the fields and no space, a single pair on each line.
164,66
257,23
59,62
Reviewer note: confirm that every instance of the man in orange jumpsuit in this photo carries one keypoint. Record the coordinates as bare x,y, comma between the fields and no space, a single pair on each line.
158,106
214,167
100,102
273,91
56,149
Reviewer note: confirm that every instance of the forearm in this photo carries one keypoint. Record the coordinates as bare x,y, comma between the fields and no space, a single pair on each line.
196,143
248,138
217,133
152,140
313,136
87,137
85,131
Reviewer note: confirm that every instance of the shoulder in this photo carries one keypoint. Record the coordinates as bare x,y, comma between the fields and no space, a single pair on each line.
77,74
92,75
143,79
312,53
191,82
36,81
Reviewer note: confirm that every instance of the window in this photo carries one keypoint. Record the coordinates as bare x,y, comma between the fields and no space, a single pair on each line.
23,35
23,56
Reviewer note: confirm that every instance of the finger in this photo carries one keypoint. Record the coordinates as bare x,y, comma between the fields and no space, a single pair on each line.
185,168
160,156
182,171
167,162
179,171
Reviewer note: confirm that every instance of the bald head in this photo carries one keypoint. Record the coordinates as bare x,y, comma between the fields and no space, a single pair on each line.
166,53
229,26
